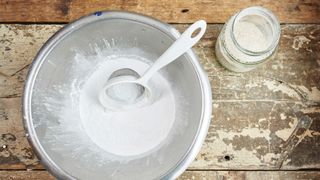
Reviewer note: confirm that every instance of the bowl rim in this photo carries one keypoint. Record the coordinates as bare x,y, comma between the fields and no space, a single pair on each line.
35,66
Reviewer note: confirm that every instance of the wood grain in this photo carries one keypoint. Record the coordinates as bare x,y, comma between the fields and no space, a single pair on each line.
268,118
249,175
188,175
180,11
25,175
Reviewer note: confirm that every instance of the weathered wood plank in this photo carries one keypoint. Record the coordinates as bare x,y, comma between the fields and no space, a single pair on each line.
19,45
179,11
265,108
25,175
264,119
249,175
189,175
15,151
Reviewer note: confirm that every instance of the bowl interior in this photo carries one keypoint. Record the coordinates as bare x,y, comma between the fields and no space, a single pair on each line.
66,145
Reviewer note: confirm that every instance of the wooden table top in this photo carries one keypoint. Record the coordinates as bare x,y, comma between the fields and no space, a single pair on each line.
266,120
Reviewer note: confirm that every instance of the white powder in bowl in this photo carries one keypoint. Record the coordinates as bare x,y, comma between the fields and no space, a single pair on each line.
125,92
130,132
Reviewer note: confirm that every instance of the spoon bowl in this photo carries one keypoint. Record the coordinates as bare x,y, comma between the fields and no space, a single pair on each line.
124,92
134,88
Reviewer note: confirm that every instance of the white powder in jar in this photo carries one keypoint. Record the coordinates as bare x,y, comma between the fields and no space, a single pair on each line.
248,39
250,36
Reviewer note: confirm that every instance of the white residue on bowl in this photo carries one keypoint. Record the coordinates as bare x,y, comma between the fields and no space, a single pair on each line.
86,130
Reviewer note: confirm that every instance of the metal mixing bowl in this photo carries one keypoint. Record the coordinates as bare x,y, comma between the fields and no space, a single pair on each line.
51,69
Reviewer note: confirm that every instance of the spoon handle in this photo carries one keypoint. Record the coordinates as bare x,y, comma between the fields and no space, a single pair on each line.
179,47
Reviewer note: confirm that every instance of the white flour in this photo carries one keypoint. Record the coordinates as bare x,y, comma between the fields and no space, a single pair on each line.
250,36
126,133
80,129
125,92
244,43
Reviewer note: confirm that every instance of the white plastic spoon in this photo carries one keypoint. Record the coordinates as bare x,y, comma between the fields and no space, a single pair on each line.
123,82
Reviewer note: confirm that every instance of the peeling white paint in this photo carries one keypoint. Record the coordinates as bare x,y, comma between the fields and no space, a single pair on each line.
270,158
313,95
284,134
215,105
251,85
262,119
283,116
312,37
294,123
245,158
219,148
275,67
286,162
298,42
274,86
311,133
307,133
311,110
251,132
241,158
286,36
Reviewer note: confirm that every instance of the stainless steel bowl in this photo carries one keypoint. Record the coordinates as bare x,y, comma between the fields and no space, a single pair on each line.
50,68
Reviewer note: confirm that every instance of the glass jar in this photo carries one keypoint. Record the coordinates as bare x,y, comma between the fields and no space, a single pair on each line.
248,39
